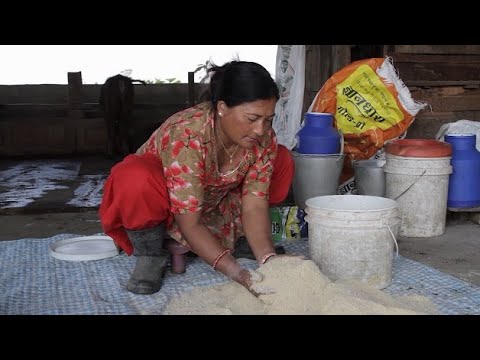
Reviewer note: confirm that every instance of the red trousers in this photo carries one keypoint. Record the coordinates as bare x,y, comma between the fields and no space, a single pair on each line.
135,194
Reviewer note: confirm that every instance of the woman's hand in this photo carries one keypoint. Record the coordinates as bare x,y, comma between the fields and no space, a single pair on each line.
252,281
300,257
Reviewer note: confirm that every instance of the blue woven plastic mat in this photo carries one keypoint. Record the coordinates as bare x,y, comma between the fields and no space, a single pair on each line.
33,282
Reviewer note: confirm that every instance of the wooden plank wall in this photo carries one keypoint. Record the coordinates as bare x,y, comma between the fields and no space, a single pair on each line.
447,77
321,62
50,120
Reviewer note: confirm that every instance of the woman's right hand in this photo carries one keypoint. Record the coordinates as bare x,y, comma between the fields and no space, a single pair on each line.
252,281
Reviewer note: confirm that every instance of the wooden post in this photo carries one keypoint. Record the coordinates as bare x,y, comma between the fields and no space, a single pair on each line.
75,110
341,57
321,62
191,88
317,71
75,98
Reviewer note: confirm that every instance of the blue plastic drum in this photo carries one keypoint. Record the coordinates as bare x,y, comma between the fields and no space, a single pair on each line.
464,182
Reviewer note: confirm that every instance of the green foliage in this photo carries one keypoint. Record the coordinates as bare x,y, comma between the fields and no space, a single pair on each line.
129,72
203,67
126,72
208,64
166,81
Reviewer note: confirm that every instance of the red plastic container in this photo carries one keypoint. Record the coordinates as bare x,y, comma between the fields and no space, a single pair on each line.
424,148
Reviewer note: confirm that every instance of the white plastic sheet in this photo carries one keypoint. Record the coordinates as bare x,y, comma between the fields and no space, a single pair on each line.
290,77
460,127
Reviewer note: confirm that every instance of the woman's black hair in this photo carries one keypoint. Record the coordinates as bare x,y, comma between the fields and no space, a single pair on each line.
239,82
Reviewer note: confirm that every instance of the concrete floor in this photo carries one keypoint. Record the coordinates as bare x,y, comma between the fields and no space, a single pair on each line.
456,252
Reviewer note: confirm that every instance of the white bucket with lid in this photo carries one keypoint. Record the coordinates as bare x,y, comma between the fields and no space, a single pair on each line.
353,237
420,186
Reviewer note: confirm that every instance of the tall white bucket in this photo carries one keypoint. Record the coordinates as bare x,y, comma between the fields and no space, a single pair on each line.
420,186
353,237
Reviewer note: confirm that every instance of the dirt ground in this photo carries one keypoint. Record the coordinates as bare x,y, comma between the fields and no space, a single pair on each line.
49,214
46,225
457,252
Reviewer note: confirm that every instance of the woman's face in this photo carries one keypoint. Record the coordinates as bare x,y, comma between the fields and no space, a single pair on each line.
245,124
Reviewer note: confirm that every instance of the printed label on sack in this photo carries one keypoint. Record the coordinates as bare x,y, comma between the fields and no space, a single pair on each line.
277,224
288,223
363,103
347,187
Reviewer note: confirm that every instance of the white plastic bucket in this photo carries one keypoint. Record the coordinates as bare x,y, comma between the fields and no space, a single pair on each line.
420,186
353,237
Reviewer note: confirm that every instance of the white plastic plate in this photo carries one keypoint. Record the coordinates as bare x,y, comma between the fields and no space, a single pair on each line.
84,248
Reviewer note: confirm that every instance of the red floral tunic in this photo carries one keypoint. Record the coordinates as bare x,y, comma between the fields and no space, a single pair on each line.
185,143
